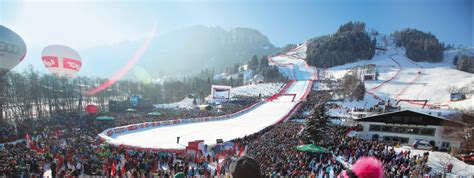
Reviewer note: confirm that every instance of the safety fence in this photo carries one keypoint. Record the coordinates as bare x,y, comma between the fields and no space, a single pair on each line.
107,134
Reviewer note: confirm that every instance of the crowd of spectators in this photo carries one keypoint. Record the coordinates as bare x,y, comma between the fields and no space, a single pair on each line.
76,151
313,99
275,149
275,146
11,133
396,164
69,146
7,132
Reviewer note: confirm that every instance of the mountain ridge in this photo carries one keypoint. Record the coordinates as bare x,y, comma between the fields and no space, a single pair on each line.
185,51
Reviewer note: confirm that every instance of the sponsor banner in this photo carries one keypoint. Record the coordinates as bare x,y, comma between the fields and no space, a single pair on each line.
165,123
120,130
50,61
132,127
110,133
106,135
71,64
101,139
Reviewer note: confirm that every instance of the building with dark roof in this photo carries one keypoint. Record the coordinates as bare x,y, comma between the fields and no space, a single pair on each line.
406,126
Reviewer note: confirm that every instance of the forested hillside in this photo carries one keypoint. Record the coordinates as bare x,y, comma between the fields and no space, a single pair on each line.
420,46
349,44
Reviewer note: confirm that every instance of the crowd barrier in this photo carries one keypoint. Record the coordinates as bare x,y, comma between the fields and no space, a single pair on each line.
287,116
404,89
391,78
282,91
9,139
294,50
291,65
107,134
308,88
384,82
411,83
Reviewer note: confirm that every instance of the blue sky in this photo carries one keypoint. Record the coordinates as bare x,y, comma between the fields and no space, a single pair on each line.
88,23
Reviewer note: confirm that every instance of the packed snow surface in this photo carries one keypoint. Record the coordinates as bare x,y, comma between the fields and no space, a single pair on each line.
253,121
165,137
248,123
439,160
293,64
265,89
401,78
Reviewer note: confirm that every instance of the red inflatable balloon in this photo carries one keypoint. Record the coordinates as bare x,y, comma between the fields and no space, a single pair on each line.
92,109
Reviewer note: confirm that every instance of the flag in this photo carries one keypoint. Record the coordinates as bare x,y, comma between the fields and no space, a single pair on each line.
58,133
241,151
218,169
123,171
32,144
112,172
127,156
60,164
155,167
28,141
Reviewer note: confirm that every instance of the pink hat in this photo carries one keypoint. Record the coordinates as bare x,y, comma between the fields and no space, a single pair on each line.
365,167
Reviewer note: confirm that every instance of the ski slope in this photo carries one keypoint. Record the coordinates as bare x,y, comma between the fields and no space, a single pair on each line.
165,137
264,115
293,65
401,78
230,127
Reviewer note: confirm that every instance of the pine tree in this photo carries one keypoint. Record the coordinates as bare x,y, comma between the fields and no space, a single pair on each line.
253,64
263,63
316,126
359,91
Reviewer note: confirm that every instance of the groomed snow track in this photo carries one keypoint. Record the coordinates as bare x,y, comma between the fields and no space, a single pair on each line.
162,136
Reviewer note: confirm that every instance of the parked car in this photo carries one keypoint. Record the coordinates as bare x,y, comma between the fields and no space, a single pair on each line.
422,145
467,158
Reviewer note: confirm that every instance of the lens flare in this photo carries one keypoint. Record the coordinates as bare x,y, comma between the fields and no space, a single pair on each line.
142,75
127,67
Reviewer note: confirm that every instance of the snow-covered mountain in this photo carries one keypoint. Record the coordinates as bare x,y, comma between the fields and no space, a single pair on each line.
401,78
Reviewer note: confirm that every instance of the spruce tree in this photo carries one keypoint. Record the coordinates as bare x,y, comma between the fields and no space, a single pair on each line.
359,91
316,126
253,64
263,63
